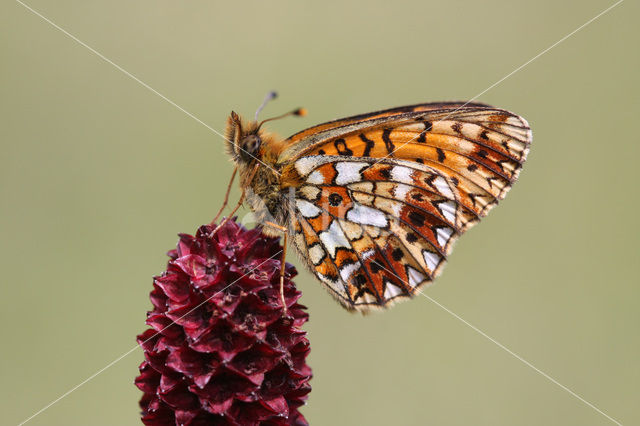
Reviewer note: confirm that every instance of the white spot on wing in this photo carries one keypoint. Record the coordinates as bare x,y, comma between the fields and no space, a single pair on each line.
316,253
448,210
432,259
442,187
391,290
366,216
401,174
415,277
315,178
367,254
333,238
307,209
400,191
349,172
346,271
305,164
443,235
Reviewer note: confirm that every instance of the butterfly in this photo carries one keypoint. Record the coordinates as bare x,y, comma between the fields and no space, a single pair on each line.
374,202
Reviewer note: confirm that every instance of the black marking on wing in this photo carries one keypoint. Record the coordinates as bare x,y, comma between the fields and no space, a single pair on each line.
369,144
387,140
341,147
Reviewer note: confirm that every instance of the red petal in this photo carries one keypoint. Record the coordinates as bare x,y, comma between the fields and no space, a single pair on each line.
192,265
277,405
174,287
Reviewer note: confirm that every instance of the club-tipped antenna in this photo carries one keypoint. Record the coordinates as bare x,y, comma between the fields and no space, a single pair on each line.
298,111
270,96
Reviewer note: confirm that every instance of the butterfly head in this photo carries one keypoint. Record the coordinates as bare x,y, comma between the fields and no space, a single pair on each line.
245,138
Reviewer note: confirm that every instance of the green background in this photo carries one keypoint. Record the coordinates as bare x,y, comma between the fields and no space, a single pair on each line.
99,174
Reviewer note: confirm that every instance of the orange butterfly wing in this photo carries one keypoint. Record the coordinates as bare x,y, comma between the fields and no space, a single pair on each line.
341,122
380,198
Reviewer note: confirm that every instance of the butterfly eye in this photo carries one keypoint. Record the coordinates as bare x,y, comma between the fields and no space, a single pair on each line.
251,144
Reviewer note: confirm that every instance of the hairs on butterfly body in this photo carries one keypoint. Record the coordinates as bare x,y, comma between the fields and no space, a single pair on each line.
255,150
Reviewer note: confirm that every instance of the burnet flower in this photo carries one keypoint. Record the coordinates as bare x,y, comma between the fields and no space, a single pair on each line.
219,350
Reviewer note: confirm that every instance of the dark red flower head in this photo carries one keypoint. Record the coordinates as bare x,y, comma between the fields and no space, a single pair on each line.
219,350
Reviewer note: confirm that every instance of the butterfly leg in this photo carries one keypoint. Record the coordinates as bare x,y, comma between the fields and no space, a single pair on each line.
282,262
226,196
240,201
226,219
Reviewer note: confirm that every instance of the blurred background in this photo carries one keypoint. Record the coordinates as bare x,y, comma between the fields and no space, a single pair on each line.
99,174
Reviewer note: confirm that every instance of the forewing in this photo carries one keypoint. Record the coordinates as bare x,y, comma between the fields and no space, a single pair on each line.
481,149
340,124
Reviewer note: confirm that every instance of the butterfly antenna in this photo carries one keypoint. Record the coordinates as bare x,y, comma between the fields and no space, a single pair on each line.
301,112
270,96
